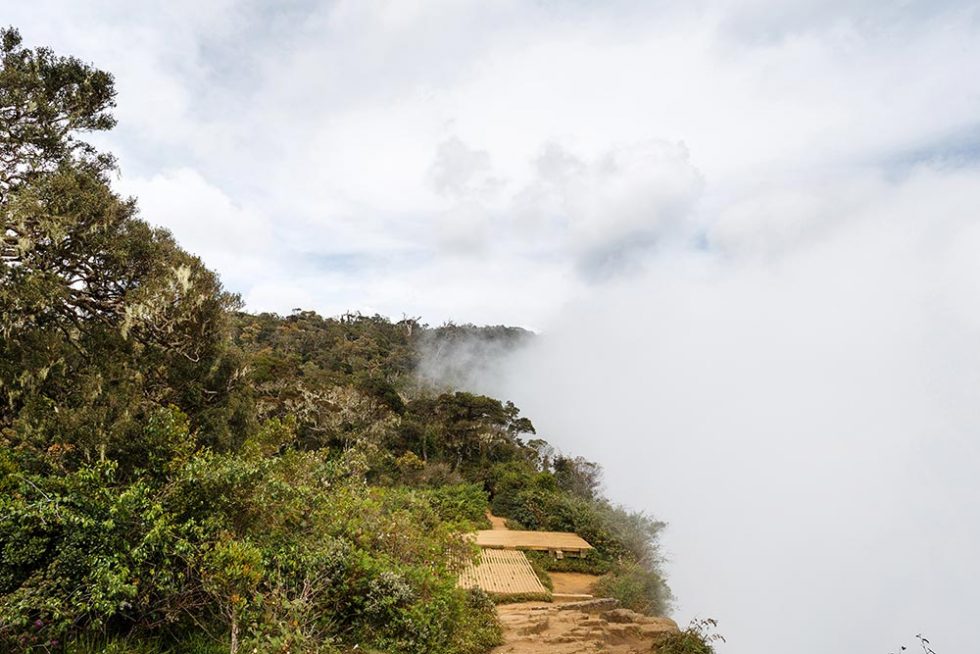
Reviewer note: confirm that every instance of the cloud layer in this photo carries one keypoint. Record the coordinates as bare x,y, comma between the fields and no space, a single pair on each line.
383,146
805,420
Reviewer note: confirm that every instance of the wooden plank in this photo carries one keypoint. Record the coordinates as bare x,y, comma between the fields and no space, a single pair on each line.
532,540
502,572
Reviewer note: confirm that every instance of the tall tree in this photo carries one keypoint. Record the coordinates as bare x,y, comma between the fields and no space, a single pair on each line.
102,317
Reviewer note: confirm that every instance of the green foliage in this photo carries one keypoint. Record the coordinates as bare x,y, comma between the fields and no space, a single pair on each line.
577,476
103,319
637,587
482,629
698,638
539,565
464,505
590,562
190,643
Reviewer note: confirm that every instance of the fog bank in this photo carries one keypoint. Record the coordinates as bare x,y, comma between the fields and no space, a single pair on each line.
795,391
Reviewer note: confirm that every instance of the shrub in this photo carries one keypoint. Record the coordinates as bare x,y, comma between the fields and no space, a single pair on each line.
698,638
637,588
461,504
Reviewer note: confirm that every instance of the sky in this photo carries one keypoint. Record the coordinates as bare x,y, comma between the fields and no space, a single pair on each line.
746,232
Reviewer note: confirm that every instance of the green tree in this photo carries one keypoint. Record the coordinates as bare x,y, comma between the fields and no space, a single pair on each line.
475,429
102,318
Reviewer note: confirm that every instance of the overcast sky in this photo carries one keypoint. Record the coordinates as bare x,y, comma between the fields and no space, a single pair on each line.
491,161
749,232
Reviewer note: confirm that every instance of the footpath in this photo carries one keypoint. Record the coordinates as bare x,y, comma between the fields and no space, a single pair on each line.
576,623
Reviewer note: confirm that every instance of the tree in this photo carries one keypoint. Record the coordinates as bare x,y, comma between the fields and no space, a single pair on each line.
45,102
578,476
474,428
102,317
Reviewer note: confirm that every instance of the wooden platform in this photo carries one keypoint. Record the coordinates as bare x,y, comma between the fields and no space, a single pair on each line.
542,541
502,572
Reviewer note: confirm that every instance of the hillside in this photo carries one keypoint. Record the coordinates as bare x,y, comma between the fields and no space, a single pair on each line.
177,475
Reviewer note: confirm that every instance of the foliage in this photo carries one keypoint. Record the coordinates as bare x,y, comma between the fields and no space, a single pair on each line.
197,642
292,550
464,505
637,587
698,638
103,319
577,476
924,645
538,564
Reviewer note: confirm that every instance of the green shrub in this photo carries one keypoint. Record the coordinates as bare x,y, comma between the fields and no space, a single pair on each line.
291,551
698,638
589,563
194,642
637,588
479,630
540,569
464,505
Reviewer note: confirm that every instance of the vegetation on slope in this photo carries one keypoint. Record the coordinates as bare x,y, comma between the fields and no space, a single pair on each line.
176,475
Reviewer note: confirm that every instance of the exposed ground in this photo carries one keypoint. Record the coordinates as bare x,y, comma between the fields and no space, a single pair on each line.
586,626
578,628
572,583
497,522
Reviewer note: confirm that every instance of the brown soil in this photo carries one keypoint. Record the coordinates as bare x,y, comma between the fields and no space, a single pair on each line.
497,521
572,583
581,628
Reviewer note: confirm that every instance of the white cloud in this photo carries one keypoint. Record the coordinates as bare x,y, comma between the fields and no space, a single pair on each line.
235,240
804,418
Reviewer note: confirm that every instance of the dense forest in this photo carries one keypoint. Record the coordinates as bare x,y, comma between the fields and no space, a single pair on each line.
177,475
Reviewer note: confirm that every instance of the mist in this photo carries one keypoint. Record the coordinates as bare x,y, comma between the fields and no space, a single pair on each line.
795,392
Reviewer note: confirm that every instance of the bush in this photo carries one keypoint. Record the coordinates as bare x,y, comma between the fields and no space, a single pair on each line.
465,505
589,563
698,638
637,588
292,551
480,631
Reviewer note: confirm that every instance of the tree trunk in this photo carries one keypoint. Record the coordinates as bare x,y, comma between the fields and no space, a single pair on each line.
234,634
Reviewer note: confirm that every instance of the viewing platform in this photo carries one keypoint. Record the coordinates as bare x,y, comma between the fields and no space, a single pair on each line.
559,543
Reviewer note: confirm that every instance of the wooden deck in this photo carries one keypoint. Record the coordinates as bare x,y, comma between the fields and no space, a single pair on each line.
542,541
502,572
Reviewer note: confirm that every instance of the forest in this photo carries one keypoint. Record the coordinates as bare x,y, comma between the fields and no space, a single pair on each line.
179,475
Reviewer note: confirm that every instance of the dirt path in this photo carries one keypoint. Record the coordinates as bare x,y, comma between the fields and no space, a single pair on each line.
580,628
497,522
583,627
572,583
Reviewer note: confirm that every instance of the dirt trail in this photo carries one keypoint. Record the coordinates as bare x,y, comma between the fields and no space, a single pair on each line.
580,628
497,522
583,627
572,583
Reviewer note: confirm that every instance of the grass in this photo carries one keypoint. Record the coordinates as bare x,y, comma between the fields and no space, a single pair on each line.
194,643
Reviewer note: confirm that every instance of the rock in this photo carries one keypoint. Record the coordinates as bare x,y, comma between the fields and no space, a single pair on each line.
590,606
623,616
588,628
536,625
659,626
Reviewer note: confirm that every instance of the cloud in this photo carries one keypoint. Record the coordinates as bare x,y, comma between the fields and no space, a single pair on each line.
205,221
802,412
361,131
